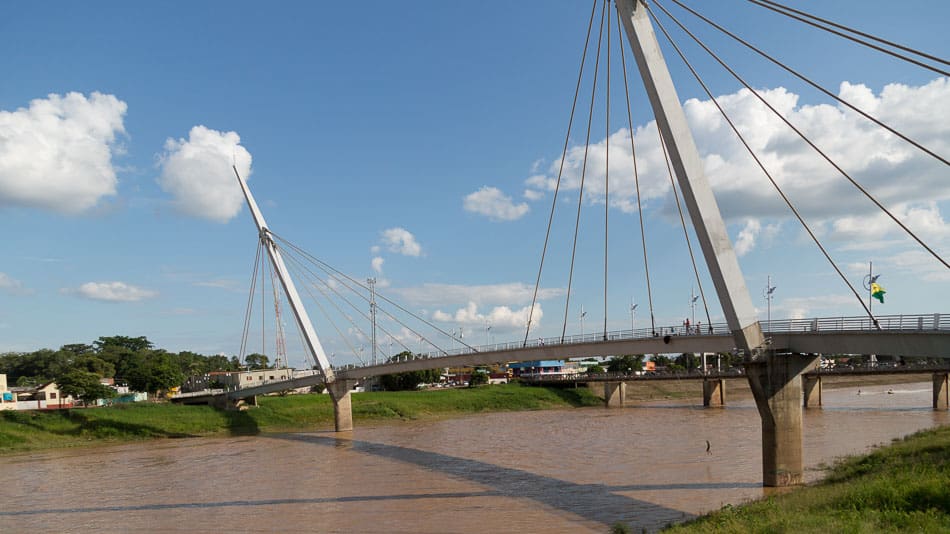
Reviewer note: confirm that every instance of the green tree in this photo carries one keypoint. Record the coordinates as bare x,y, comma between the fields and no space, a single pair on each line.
134,344
626,364
479,378
595,369
408,380
155,372
689,361
257,361
661,360
84,386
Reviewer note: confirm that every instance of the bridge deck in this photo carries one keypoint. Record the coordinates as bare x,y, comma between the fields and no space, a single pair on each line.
905,335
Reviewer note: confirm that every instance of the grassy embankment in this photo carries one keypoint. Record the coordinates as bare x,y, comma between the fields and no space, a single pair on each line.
28,431
902,487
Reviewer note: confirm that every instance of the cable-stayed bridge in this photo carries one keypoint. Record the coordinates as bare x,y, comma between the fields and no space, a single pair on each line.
776,353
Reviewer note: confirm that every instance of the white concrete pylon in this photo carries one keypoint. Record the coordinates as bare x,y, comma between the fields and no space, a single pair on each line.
300,313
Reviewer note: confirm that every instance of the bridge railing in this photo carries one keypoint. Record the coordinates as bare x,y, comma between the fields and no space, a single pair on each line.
904,323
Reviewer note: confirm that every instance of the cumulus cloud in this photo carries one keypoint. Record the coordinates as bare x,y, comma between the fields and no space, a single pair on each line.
12,286
197,173
401,241
896,173
57,154
499,316
378,264
492,203
511,293
112,292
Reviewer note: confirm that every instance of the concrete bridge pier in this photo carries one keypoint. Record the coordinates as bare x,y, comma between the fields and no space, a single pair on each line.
340,391
614,394
940,391
714,392
776,382
812,386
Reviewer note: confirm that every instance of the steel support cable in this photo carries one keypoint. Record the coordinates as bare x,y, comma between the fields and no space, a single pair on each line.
607,170
325,284
810,143
580,194
293,264
338,276
679,208
250,303
636,175
791,13
761,165
814,84
557,185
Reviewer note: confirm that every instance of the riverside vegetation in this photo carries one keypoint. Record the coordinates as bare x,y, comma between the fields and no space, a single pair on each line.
903,487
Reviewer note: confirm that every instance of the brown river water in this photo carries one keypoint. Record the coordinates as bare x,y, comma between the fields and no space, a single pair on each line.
576,470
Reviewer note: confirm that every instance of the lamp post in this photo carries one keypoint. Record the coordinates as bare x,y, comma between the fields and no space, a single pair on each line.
869,281
693,297
769,294
633,316
583,314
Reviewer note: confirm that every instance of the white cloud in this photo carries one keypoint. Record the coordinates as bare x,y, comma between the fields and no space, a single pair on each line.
57,154
197,173
492,203
112,292
500,316
401,241
12,286
441,294
745,241
533,195
895,172
378,264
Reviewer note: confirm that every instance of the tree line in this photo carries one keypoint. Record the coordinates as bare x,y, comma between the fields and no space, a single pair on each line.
77,368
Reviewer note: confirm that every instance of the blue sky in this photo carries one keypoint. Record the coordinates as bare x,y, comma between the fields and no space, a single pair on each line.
416,142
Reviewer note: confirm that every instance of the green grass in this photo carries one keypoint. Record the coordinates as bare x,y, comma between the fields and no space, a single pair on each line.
33,430
902,487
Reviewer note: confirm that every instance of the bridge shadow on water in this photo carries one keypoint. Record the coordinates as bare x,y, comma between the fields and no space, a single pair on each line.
596,502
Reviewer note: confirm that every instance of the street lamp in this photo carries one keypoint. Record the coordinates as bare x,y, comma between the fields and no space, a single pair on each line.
692,305
583,314
769,294
633,316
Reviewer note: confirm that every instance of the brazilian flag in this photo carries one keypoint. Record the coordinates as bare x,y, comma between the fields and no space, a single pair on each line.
878,292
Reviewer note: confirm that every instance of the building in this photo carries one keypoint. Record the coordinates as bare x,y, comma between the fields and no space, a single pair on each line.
239,379
43,397
541,368
7,397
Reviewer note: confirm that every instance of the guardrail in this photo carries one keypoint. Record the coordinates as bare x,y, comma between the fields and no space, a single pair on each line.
890,323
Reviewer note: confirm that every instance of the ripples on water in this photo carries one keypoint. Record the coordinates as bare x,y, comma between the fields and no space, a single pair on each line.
553,471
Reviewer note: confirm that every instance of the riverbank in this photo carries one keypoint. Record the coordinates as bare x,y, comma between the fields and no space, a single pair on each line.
900,487
24,431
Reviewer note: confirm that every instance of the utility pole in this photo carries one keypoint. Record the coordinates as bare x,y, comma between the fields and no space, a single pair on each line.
372,313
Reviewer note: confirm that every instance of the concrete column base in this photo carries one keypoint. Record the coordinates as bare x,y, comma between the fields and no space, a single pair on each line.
714,392
812,387
614,393
340,391
777,387
940,392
